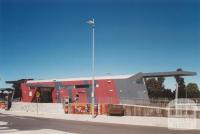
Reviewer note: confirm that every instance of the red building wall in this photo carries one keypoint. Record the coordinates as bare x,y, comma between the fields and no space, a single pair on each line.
105,91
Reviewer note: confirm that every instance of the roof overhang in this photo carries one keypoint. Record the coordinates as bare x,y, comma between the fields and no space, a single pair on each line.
37,83
18,81
169,74
82,78
40,86
6,89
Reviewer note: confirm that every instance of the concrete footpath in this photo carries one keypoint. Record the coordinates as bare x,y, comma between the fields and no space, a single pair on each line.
127,120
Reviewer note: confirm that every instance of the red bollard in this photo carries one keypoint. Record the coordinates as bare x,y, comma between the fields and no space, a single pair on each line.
96,109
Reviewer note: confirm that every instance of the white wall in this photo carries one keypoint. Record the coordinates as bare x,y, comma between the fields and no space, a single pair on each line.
53,108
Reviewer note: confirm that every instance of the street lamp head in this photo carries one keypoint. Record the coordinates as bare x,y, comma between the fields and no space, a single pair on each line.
91,22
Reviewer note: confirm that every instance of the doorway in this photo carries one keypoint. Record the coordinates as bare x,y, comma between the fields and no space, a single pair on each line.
45,95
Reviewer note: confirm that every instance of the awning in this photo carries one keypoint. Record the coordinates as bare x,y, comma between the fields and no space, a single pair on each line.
169,74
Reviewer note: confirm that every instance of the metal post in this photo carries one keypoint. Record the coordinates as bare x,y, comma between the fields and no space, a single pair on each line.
93,70
92,24
186,95
13,92
176,99
37,106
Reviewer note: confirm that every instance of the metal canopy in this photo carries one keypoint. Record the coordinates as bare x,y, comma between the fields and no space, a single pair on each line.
6,89
169,74
17,81
40,86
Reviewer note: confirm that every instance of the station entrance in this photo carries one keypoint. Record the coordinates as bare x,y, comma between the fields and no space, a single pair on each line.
45,95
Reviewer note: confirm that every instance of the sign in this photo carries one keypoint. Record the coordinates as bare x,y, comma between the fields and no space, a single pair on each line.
30,93
37,94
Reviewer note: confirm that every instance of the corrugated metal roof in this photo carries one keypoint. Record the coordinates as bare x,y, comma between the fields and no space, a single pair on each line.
145,75
83,78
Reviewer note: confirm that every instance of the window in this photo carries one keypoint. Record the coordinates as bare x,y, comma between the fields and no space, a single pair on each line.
82,86
70,87
31,88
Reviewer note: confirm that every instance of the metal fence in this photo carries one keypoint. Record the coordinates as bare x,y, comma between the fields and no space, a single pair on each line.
158,102
124,101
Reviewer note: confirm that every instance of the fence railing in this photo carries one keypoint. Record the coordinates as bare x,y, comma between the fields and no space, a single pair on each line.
158,102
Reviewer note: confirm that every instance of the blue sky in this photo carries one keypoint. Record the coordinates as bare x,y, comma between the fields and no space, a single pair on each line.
44,39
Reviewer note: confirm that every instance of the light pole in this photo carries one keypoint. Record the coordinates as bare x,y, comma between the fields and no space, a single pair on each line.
176,99
92,24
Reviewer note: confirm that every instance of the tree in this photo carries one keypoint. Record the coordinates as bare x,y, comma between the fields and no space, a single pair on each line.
181,85
152,84
192,90
156,88
161,81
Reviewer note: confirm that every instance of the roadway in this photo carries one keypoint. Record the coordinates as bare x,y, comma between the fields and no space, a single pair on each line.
10,124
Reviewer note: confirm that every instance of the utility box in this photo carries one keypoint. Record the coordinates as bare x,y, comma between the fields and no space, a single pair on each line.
115,110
